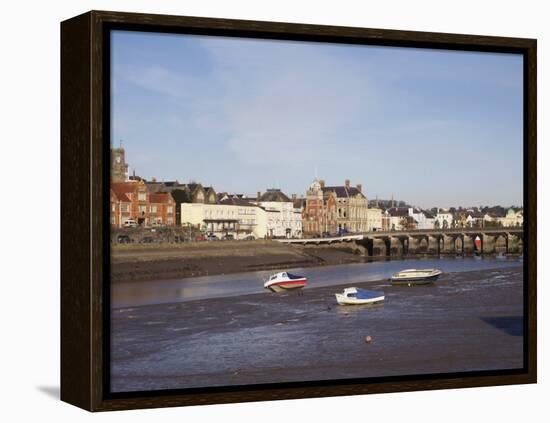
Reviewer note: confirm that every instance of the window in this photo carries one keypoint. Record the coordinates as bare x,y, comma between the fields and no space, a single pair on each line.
142,196
154,209
169,209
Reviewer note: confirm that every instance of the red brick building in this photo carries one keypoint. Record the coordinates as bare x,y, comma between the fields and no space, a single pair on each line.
320,211
162,209
120,209
132,201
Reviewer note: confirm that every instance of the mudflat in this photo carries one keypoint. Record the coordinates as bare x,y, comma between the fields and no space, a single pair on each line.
140,262
466,321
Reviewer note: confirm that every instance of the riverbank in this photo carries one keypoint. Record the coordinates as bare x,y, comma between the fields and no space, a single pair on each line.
141,262
466,321
148,262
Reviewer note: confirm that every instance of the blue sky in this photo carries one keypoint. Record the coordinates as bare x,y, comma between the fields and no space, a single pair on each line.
431,127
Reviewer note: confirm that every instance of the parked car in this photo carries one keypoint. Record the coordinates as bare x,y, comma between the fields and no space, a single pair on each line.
130,223
123,239
229,237
180,238
147,240
200,238
212,237
250,238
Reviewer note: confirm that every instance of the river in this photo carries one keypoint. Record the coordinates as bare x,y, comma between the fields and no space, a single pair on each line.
136,293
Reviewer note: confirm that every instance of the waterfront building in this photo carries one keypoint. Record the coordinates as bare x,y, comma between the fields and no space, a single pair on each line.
183,193
421,219
443,219
399,219
283,220
162,209
319,212
137,193
352,205
513,218
470,218
386,221
119,167
120,209
132,201
231,216
429,219
374,219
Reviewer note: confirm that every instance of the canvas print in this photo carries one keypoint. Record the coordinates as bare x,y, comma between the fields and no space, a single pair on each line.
286,211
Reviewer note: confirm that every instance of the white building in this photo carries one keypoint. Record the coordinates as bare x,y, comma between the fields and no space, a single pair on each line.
422,221
374,219
231,216
443,219
513,218
396,219
283,219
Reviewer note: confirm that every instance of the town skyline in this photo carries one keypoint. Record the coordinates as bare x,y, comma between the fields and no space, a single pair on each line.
433,128
398,202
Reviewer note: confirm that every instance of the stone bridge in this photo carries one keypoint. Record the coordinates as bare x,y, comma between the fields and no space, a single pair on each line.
436,241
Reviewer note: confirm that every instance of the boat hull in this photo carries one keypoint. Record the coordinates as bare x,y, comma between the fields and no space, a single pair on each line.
343,300
287,285
417,280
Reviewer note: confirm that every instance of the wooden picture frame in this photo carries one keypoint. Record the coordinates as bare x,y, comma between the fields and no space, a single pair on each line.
85,247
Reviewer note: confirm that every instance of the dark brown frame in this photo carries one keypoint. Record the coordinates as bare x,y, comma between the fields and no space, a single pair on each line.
84,166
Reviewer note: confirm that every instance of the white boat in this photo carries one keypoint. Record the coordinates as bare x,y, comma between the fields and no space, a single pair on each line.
415,276
284,281
354,296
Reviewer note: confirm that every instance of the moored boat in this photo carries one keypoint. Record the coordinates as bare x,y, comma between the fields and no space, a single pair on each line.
284,281
356,296
415,276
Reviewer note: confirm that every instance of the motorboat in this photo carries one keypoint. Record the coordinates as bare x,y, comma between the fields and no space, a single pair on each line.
355,296
284,281
415,276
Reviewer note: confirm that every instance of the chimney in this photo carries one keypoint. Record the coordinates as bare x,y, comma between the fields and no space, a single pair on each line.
294,196
153,179
322,183
360,188
258,195
347,183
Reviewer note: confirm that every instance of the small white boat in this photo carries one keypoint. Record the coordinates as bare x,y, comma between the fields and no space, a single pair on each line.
353,296
285,281
415,276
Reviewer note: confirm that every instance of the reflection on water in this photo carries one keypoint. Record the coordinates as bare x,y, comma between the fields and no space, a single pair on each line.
129,294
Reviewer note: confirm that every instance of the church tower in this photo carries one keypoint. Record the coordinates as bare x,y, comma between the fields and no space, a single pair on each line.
119,168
